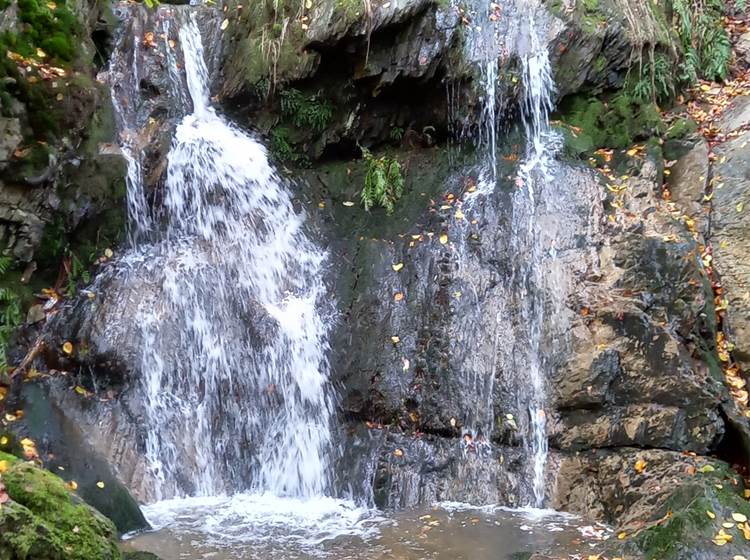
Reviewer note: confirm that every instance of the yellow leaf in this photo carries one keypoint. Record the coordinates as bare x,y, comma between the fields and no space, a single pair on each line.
4,466
747,492
398,266
443,238
68,347
640,466
740,206
308,4
706,469
738,557
73,485
632,152
395,339
224,24
348,203
622,536
4,441
321,204
108,253
398,453
739,517
100,484
711,514
40,53
398,296
81,391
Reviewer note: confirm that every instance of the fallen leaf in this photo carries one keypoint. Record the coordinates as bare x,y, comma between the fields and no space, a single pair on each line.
348,203
395,339
739,517
711,514
224,24
398,453
67,347
398,296
100,485
640,466
443,238
398,266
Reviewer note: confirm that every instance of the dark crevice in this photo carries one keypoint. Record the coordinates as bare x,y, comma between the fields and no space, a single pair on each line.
734,446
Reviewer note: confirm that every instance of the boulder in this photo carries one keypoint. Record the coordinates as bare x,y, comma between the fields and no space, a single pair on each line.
666,505
43,519
688,181
730,237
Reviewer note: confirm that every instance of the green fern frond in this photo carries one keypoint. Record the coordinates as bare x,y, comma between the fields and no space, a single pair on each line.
5,263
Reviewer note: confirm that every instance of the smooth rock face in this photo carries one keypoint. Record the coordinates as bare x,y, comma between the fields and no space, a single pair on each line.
688,181
730,237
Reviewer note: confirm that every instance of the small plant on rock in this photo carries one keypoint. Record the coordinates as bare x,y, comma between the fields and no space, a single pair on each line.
10,311
384,182
306,111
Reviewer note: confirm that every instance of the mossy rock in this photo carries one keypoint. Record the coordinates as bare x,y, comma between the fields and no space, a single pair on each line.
681,128
44,520
685,526
616,121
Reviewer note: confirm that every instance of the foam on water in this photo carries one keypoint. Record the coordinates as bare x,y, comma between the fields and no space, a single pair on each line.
254,519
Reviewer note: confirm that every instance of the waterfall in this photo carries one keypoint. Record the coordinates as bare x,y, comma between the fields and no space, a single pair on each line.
233,360
496,31
534,176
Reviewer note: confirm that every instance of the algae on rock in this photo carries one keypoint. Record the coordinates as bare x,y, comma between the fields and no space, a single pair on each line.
45,520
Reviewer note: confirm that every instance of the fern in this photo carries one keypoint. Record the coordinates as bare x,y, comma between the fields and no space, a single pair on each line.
5,263
306,111
384,182
705,42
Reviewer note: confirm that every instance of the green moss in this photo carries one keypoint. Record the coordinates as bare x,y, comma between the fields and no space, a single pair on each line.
43,515
684,526
590,123
681,128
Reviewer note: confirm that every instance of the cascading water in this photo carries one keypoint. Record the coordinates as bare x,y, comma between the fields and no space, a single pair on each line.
234,353
534,175
495,28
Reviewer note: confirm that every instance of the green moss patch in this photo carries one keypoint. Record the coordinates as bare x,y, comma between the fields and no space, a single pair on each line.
45,520
589,123
687,524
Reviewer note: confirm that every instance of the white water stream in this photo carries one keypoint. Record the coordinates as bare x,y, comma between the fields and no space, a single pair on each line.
534,175
522,32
